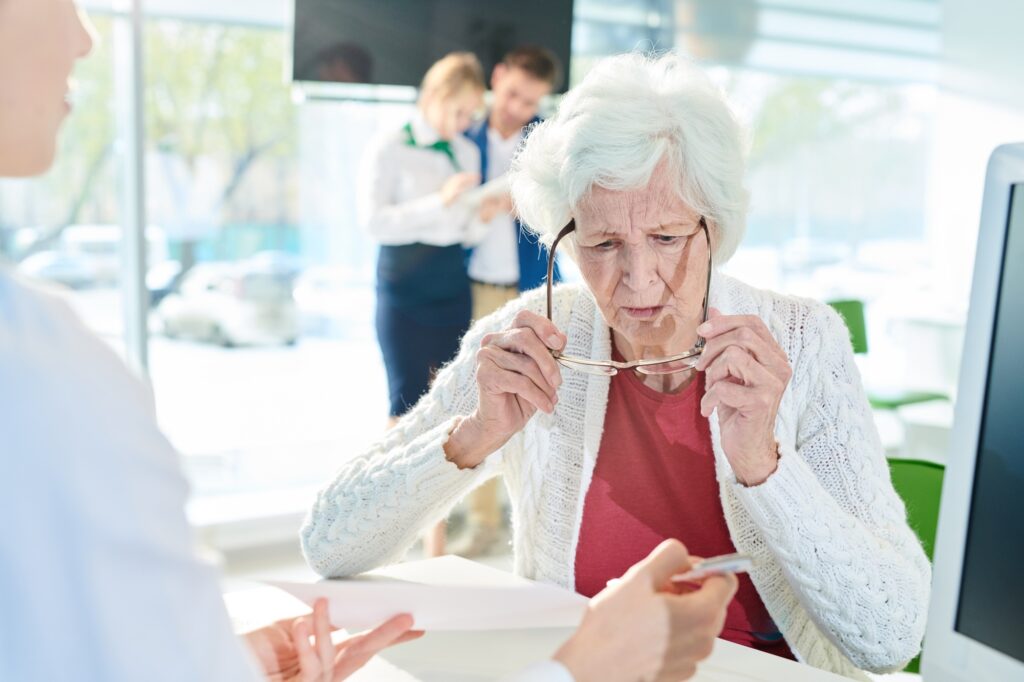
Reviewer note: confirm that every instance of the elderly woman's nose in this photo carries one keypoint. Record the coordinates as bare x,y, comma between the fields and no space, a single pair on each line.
639,267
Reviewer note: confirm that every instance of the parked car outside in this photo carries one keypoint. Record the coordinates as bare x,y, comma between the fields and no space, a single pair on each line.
231,304
162,279
70,269
101,246
86,255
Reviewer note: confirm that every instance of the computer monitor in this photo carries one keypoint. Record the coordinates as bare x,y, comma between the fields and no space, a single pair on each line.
976,621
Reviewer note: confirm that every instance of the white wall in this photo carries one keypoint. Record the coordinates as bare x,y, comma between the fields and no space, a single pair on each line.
981,106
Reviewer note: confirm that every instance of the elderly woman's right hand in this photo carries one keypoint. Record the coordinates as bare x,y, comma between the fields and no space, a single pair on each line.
516,375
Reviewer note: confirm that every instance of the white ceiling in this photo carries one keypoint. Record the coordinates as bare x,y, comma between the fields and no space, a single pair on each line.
259,12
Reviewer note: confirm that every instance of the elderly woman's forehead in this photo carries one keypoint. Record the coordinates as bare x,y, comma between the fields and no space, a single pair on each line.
655,203
657,190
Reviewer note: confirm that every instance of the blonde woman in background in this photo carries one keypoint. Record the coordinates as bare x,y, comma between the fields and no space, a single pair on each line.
410,183
411,180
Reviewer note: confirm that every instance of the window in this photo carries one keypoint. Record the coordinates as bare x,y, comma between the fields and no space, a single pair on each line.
263,358
262,351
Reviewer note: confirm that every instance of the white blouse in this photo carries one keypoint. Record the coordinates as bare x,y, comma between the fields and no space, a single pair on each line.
399,199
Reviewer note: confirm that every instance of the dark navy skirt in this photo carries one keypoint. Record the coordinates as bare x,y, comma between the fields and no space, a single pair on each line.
423,309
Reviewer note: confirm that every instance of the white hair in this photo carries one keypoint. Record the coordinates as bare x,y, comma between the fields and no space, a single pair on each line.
612,130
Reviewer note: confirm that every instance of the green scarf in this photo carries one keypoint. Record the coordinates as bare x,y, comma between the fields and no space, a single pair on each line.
443,146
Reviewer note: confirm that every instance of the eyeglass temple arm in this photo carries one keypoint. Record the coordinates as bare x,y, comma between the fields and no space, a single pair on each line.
551,262
707,287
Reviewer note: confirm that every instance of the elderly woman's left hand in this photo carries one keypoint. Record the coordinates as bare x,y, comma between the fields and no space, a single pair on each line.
746,373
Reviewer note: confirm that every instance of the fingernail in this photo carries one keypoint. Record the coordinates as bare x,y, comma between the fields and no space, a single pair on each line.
704,328
554,342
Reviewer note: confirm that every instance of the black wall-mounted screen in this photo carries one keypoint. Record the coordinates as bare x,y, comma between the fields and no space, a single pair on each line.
394,42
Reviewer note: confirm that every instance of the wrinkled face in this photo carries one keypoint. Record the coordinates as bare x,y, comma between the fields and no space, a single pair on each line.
644,256
40,40
450,116
517,96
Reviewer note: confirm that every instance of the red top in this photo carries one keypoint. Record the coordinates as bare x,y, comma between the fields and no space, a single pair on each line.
655,479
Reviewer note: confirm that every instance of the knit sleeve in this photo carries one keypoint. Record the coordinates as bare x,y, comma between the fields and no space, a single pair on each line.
373,510
832,518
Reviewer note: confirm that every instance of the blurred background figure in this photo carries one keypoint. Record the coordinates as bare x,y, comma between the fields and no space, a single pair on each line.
411,181
508,260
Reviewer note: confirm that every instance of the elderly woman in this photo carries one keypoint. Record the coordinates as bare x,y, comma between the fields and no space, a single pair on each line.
658,399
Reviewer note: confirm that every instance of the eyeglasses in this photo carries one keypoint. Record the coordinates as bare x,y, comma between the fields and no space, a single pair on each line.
668,365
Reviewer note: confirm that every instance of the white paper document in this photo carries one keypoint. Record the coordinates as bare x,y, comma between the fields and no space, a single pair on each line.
473,197
447,593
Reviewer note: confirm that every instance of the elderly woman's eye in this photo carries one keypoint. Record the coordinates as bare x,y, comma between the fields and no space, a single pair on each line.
667,239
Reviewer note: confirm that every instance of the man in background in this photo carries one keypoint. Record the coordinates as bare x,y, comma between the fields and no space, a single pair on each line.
509,260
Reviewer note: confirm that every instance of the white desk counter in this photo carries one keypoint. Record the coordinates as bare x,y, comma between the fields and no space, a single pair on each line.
480,656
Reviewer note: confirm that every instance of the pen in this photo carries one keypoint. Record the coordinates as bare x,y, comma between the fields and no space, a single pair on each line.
725,563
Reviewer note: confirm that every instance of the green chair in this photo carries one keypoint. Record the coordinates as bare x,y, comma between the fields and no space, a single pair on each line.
919,483
852,312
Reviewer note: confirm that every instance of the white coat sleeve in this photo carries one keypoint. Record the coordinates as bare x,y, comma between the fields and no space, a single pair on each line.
392,220
100,577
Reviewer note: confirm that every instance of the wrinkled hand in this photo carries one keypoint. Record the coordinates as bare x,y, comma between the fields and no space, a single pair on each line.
639,628
746,373
286,654
456,185
516,376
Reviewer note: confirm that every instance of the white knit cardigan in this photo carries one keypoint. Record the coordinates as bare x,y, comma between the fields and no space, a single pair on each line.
837,566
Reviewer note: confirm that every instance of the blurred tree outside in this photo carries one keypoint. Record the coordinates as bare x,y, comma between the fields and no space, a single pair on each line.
220,137
218,112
